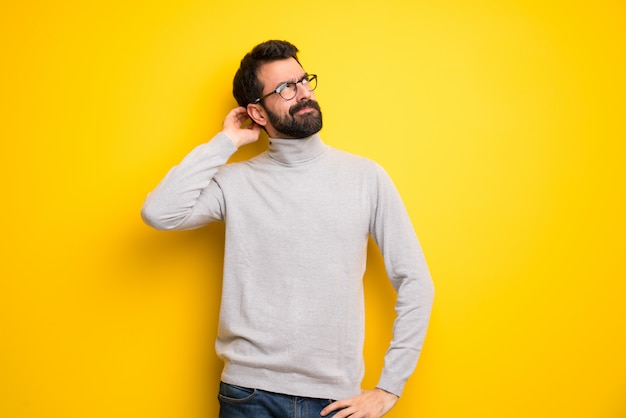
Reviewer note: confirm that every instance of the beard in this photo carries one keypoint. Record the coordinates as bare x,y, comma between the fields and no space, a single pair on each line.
297,126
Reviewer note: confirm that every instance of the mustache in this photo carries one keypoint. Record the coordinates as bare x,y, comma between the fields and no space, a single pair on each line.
303,104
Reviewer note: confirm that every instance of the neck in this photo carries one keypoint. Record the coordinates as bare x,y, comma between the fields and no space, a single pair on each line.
296,151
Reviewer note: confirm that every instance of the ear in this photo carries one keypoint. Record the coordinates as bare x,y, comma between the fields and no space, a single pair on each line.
257,114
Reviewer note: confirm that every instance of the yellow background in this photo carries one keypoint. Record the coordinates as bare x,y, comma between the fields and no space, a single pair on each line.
502,124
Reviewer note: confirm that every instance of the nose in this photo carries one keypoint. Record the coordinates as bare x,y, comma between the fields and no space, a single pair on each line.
303,93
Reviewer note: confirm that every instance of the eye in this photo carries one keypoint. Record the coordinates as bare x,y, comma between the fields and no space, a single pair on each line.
282,87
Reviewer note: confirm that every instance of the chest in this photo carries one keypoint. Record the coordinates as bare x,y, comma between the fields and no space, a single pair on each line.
306,200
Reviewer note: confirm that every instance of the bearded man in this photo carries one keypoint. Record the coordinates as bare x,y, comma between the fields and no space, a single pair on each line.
298,218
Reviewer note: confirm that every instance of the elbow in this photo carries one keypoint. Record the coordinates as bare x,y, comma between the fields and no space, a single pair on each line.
149,217
154,218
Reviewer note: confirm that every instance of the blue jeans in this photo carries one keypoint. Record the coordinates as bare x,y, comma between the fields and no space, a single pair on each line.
239,402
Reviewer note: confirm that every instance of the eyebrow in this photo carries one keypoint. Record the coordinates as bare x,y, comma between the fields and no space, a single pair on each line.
287,82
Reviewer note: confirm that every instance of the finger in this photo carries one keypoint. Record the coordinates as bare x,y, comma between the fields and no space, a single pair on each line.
347,412
237,113
236,118
243,118
242,113
333,407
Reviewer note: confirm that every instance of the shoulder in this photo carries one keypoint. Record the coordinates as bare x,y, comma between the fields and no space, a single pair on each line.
235,169
357,163
356,160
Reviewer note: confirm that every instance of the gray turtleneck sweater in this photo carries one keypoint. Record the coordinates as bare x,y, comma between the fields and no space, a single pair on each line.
298,218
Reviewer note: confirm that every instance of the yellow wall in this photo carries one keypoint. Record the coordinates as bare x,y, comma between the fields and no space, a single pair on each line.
502,123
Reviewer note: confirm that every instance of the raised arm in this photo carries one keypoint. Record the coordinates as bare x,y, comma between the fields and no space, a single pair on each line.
187,197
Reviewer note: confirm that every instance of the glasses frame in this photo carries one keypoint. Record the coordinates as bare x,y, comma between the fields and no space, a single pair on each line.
279,89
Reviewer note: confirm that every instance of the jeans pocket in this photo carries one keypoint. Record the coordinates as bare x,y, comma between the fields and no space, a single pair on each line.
235,394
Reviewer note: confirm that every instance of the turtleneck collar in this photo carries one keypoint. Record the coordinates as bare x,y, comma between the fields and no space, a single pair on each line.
296,151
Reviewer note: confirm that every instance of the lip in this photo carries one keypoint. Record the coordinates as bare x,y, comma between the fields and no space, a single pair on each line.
307,107
305,110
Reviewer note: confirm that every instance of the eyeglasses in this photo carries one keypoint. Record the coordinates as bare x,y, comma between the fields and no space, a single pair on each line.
289,90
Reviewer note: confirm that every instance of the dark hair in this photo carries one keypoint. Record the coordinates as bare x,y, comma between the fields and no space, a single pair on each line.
246,85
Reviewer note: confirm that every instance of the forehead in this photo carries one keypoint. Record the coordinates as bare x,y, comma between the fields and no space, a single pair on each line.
272,74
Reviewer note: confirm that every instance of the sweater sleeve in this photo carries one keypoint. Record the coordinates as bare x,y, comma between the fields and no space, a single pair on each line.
406,268
188,197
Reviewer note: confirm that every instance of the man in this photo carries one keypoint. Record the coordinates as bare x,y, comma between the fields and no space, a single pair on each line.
298,218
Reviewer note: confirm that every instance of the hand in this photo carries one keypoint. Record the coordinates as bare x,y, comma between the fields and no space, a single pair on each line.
238,133
369,404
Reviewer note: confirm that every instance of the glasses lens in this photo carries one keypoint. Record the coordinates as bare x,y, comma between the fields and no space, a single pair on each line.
288,91
311,82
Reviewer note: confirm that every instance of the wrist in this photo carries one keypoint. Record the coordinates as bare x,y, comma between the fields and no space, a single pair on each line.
233,138
386,392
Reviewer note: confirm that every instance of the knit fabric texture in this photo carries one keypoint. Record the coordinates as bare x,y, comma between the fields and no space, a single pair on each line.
298,219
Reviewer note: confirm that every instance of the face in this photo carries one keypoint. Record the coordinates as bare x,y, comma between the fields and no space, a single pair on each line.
299,117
